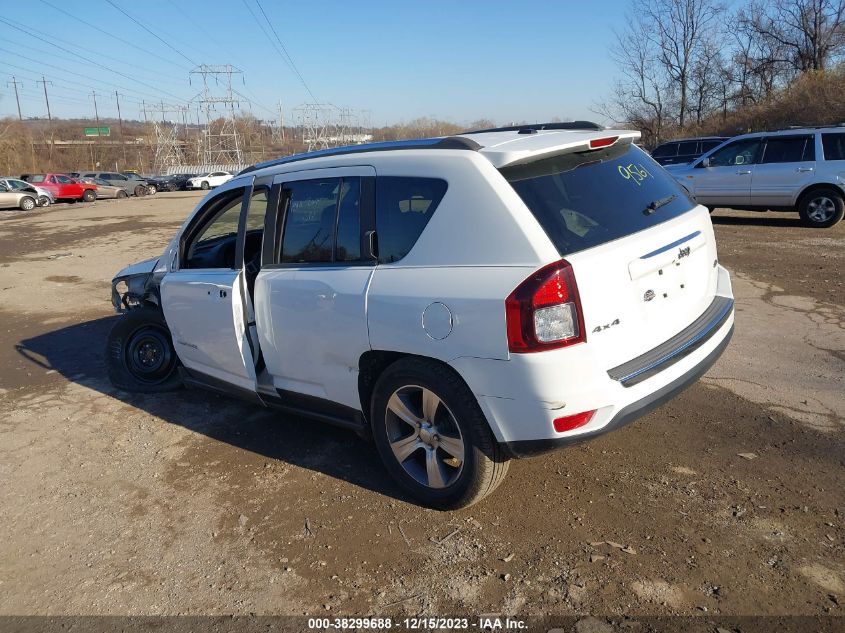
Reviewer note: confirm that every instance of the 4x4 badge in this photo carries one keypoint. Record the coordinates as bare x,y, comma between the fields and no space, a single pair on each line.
649,295
683,252
606,326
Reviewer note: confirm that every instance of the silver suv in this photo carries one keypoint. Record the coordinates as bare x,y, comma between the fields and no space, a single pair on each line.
791,170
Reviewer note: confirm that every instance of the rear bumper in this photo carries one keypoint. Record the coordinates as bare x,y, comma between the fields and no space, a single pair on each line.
523,396
630,413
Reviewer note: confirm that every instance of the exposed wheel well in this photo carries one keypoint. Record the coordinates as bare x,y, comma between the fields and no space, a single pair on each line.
373,363
815,187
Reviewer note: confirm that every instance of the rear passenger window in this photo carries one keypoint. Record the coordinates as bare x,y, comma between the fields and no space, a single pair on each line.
789,149
349,221
309,222
403,208
834,146
706,146
688,148
665,150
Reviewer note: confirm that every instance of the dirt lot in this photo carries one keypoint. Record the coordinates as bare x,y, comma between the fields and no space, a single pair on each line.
729,500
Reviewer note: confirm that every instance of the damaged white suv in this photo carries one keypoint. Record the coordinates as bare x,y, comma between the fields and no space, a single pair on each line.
461,300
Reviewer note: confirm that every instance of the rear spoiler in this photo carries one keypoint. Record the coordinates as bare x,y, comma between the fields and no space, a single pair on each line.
538,146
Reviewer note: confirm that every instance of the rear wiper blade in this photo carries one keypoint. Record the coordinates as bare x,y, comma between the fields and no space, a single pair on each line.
661,202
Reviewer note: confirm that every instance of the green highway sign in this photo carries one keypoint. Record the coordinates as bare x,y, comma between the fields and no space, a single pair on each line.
93,131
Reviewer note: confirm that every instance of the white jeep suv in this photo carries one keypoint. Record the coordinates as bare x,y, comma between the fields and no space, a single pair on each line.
791,170
461,300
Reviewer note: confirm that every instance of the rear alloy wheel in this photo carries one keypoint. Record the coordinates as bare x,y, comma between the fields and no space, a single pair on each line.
43,201
121,194
204,184
822,208
151,190
433,437
89,195
28,203
140,353
140,190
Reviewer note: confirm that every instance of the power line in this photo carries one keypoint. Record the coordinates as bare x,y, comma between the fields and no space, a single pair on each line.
90,61
155,35
295,69
111,35
86,76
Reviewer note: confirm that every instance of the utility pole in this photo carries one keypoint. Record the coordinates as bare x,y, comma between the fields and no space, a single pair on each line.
97,119
15,83
120,127
44,83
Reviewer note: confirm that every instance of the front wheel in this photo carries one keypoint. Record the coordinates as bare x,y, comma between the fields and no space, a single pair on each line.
28,203
151,190
204,184
43,201
140,356
140,190
822,208
433,437
89,195
121,194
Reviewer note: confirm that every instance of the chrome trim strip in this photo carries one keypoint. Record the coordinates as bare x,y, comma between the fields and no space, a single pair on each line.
676,348
663,249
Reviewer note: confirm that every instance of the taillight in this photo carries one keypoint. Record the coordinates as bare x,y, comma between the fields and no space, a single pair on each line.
544,312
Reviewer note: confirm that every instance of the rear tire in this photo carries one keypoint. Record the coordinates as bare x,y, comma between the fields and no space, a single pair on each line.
140,190
204,185
140,356
28,203
89,195
822,208
151,190
442,453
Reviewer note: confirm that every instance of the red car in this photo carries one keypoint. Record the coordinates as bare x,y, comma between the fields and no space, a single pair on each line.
63,187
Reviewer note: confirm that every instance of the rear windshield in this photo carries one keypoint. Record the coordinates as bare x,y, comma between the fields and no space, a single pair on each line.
585,199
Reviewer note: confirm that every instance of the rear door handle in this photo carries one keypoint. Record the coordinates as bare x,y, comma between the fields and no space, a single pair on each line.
804,169
743,172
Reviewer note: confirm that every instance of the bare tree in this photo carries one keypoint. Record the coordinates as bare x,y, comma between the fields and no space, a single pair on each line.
679,31
806,34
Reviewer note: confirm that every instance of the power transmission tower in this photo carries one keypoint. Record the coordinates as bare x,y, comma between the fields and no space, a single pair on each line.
278,134
314,121
16,83
168,152
220,144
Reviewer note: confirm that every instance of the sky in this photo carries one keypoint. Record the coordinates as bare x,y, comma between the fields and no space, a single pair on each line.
459,60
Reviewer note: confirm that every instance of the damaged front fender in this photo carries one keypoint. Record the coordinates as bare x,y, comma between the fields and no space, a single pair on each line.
136,285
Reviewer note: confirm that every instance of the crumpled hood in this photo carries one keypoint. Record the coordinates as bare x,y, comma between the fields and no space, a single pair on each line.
146,266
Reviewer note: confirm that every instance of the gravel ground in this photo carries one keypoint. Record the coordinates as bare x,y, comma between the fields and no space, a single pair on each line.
728,500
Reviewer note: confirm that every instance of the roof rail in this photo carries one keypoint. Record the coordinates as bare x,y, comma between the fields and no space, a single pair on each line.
442,142
530,128
809,127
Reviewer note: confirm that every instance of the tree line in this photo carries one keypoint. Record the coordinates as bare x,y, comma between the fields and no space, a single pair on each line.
685,66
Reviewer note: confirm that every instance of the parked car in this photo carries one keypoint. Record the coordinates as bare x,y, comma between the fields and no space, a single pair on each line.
799,170
153,184
177,182
209,180
131,186
44,197
63,187
105,190
463,300
686,150
17,199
